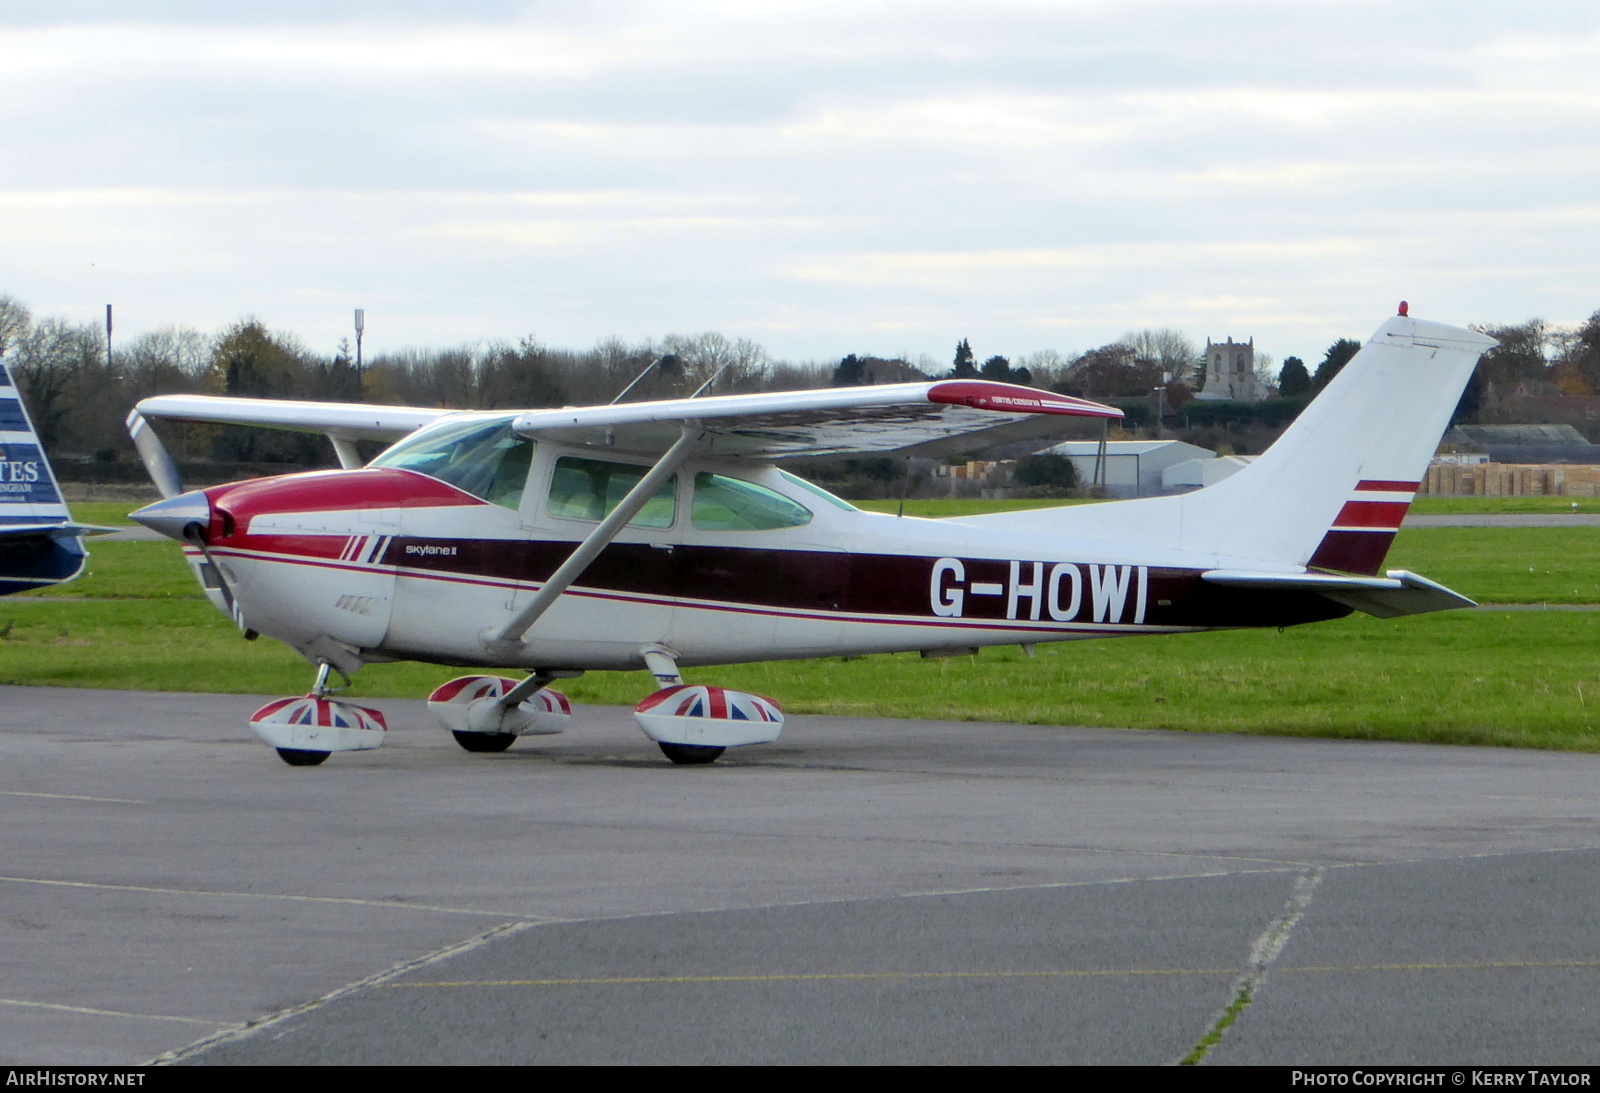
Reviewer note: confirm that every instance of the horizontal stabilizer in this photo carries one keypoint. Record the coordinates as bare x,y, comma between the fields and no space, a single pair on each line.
55,531
1399,592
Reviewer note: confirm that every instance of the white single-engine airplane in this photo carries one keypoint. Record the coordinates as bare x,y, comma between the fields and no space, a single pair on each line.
40,545
662,535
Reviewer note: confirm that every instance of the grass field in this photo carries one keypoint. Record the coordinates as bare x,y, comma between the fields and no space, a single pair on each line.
1523,678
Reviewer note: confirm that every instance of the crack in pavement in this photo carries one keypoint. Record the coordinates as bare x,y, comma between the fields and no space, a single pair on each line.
1262,953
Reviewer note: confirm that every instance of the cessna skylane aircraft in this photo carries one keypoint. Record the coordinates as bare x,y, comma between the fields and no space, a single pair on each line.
663,535
39,543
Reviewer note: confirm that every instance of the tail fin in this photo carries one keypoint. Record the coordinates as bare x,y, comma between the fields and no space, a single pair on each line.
1332,491
39,544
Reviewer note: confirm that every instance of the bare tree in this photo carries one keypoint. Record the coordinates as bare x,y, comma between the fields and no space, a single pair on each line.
15,322
48,362
742,363
1266,370
1168,349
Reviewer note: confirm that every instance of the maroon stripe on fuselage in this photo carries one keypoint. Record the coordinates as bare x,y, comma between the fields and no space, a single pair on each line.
825,582
1352,551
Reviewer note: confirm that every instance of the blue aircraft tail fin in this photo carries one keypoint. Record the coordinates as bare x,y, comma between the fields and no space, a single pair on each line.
39,542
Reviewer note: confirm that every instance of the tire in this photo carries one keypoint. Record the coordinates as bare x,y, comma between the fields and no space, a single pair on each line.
691,755
295,757
484,742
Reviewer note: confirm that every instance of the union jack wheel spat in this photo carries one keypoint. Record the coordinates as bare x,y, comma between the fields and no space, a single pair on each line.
322,713
471,688
719,703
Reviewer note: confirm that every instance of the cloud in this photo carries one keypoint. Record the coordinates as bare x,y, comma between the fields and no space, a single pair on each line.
826,173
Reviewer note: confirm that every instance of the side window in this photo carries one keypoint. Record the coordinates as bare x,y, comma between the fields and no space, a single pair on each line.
588,489
731,504
486,460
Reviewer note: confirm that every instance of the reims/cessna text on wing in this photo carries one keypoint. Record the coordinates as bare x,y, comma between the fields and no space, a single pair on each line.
662,534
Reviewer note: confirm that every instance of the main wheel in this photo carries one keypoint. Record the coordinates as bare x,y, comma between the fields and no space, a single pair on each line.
691,754
484,741
296,757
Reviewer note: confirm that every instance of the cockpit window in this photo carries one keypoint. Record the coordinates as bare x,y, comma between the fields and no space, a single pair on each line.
588,489
484,458
731,504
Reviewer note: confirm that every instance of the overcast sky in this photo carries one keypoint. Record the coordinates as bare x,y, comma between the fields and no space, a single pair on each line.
823,177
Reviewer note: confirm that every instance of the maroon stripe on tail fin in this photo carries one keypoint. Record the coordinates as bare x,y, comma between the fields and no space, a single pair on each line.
1371,514
1370,485
1352,551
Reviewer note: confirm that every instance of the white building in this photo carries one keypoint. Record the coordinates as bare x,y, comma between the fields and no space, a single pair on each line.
1133,467
1194,474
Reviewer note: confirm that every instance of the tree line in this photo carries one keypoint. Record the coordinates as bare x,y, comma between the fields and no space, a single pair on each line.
79,394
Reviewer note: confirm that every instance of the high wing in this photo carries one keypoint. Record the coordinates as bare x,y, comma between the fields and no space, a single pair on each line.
343,423
345,420
921,419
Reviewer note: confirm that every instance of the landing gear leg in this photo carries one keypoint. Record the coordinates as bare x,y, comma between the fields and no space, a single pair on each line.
487,714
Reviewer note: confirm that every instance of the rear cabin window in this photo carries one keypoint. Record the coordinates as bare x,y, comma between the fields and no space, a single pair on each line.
588,489
812,487
732,504
485,459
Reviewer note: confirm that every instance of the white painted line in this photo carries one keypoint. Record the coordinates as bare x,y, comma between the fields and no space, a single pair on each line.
239,1032
397,905
71,797
111,1013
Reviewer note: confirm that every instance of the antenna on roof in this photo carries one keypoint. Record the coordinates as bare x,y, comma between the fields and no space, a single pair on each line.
698,391
667,363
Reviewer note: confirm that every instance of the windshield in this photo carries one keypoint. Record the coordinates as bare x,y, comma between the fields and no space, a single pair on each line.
484,458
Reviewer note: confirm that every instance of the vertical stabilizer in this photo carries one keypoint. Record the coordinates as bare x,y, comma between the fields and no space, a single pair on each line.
29,494
39,544
1332,491
1330,494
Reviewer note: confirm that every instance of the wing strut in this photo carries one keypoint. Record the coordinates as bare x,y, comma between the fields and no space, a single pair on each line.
154,454
601,537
